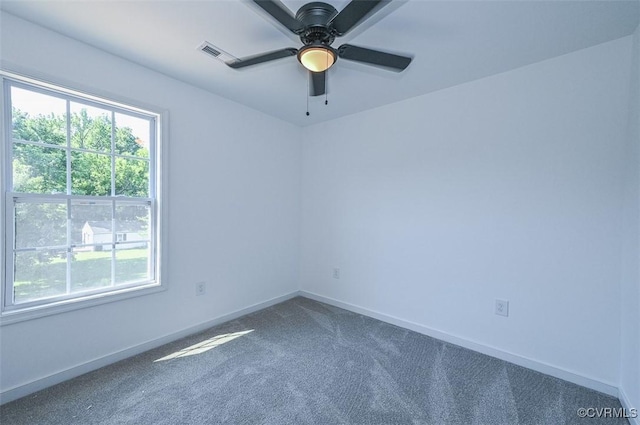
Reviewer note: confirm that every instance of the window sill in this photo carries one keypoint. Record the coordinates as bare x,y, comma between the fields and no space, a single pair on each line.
30,313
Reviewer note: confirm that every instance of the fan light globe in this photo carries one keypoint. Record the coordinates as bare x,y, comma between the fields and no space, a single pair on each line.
317,58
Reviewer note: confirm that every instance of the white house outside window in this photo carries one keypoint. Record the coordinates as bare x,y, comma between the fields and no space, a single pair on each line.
80,183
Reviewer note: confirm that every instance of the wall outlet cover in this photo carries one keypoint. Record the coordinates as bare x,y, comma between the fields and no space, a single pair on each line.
502,308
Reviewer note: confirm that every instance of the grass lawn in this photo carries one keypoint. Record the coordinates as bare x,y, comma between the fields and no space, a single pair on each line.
89,270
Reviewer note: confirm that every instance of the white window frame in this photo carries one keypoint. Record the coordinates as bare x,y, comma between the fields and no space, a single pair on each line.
12,313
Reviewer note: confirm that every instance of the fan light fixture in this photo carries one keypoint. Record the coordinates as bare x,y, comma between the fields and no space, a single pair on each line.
317,58
318,24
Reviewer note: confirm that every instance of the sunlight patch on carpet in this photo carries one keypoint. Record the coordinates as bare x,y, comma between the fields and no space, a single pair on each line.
204,346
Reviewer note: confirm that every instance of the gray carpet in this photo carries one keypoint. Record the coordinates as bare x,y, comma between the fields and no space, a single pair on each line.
304,362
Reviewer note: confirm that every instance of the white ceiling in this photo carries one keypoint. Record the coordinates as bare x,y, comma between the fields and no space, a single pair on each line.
452,42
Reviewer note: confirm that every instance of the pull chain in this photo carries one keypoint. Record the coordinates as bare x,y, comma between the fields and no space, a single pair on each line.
326,70
308,88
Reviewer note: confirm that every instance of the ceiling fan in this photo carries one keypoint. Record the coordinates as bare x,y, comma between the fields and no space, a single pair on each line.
318,24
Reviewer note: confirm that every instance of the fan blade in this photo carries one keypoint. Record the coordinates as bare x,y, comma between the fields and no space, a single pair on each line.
353,14
281,14
261,58
318,83
374,57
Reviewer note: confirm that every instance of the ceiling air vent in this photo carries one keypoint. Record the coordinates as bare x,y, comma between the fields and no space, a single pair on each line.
210,50
215,52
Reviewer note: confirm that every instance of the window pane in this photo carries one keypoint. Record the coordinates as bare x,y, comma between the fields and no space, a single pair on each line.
91,269
40,224
132,222
132,135
132,177
90,127
90,174
91,223
79,168
40,274
37,117
132,254
132,263
37,169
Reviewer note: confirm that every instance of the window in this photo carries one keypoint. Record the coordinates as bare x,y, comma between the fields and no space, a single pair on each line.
80,182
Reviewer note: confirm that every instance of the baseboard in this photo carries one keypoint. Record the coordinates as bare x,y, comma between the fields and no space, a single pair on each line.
538,366
58,377
628,407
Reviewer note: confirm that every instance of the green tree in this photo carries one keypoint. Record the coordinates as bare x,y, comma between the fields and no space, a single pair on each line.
43,128
127,143
43,169
38,169
92,133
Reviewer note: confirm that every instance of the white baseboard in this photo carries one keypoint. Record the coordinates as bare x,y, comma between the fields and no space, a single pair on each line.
628,407
538,366
58,377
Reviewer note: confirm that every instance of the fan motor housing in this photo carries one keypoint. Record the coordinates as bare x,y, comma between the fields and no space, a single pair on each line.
316,17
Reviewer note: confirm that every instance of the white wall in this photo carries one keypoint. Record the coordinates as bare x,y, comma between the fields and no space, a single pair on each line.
630,290
233,211
507,187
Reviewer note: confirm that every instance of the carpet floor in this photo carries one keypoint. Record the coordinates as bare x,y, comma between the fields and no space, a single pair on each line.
305,362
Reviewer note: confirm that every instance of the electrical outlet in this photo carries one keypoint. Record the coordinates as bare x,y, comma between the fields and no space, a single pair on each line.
201,288
502,308
336,273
